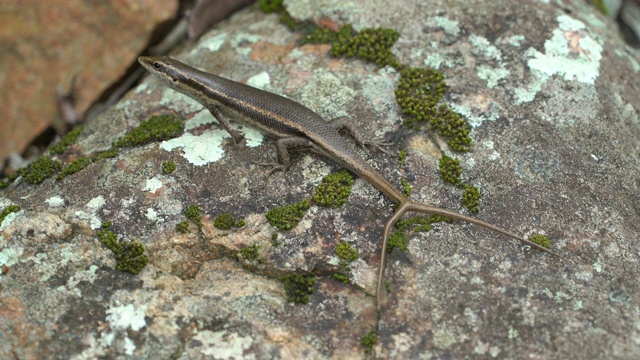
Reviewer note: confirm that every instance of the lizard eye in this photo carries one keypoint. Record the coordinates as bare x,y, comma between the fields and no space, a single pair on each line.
174,79
156,65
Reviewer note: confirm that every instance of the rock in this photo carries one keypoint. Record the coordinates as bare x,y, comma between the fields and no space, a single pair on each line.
552,97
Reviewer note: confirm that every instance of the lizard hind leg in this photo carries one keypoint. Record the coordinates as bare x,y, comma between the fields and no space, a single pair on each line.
408,205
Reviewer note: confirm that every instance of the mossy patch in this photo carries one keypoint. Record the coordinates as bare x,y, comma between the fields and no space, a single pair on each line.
40,170
8,180
402,156
250,253
298,287
471,198
418,93
397,240
192,212
371,44
75,166
270,6
369,340
346,251
66,141
8,210
334,189
156,128
340,277
421,223
182,227
450,170
287,217
540,240
130,256
168,167
226,221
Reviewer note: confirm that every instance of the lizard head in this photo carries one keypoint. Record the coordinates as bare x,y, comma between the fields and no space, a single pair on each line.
176,75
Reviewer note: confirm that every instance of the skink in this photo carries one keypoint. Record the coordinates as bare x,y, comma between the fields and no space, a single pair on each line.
293,125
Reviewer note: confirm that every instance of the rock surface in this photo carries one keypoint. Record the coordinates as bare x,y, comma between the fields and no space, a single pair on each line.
553,98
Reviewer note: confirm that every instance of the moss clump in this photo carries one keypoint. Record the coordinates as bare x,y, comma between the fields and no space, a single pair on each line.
157,128
130,256
450,170
418,93
340,277
226,221
8,180
372,45
319,35
40,170
421,223
397,240
471,198
369,340
182,227
270,6
8,210
111,153
334,189
168,167
75,166
286,217
66,141
250,252
346,252
401,157
406,187
192,212
298,287
540,240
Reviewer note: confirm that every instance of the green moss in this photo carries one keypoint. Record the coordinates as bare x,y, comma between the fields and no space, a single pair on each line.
75,166
192,213
401,157
540,240
340,277
157,128
450,170
8,210
250,252
286,217
369,340
130,256
111,153
602,6
372,45
406,187
418,93
334,189
346,252
319,35
66,141
226,221
471,198
397,240
388,286
168,167
182,227
40,170
298,287
421,223
8,180
270,6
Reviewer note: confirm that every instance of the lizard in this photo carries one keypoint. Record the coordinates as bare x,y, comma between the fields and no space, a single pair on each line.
294,125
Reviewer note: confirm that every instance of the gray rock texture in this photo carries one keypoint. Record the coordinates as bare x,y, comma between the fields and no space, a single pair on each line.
552,94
